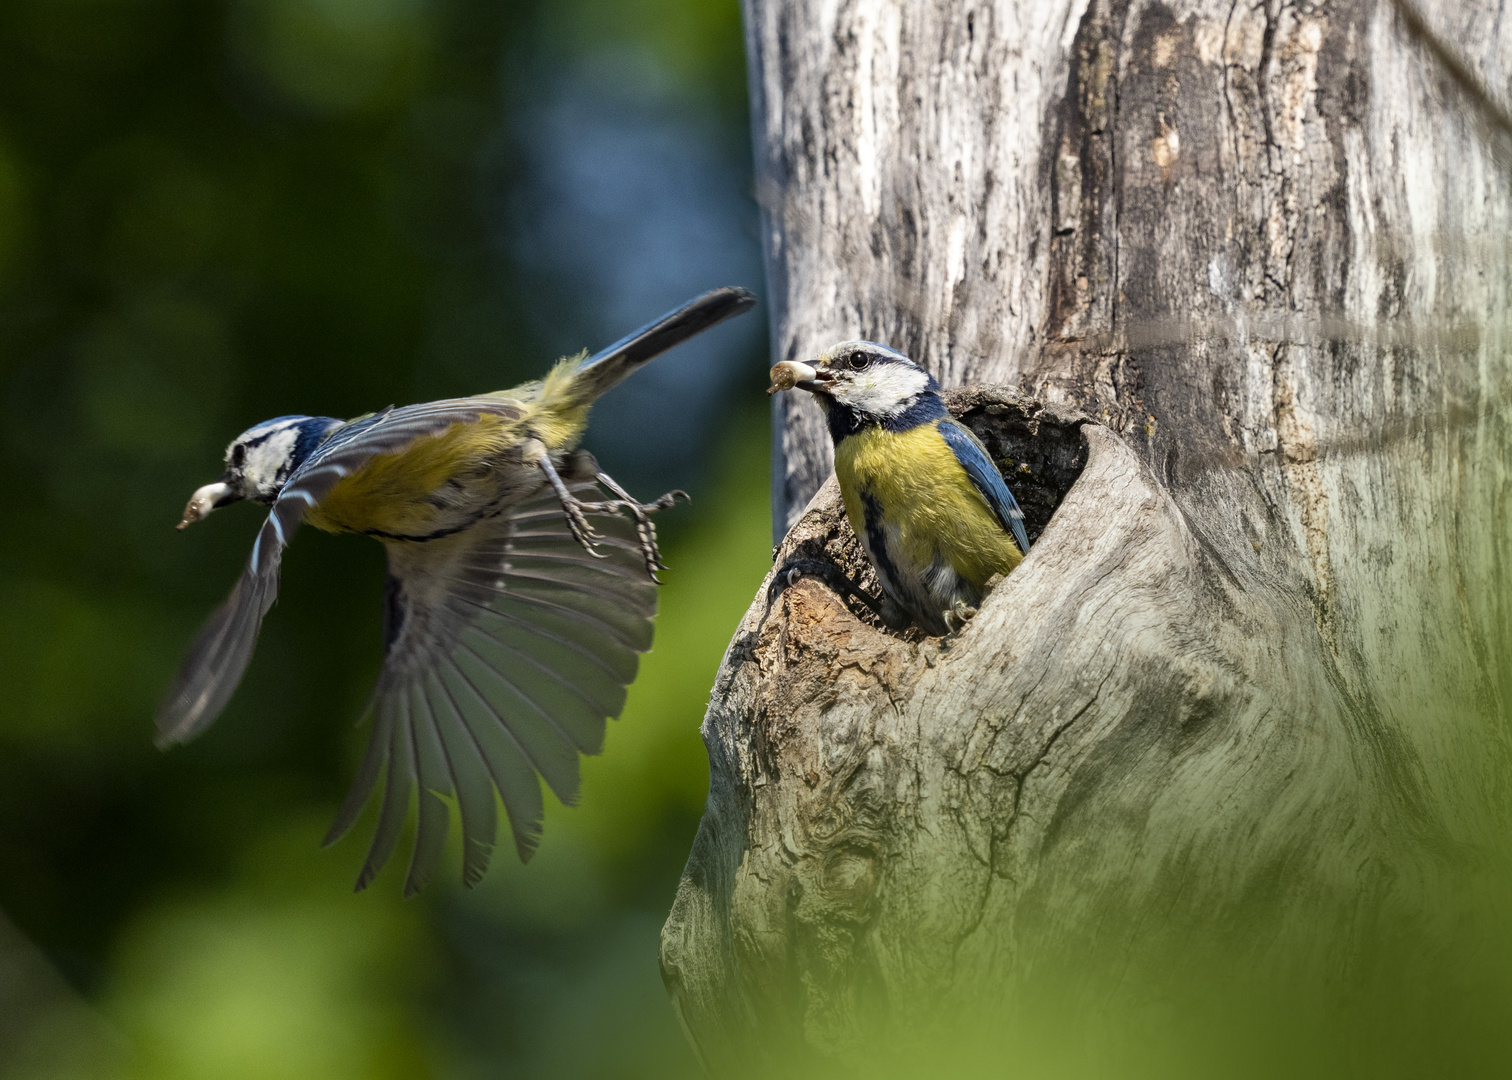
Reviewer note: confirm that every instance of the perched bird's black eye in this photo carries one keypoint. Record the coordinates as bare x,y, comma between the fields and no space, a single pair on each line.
238,455
859,360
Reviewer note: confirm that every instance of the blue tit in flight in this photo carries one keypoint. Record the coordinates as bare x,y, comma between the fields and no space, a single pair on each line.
518,596
931,510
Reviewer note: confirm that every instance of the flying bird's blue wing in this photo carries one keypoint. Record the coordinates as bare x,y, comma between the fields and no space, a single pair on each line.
223,647
351,445
986,479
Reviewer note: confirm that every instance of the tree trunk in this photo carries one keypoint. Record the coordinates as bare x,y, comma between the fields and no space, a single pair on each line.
1242,707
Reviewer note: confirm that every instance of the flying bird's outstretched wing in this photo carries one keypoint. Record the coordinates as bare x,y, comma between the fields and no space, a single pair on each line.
218,657
986,479
509,647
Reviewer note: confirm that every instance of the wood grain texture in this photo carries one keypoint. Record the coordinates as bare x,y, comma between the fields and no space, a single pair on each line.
1256,664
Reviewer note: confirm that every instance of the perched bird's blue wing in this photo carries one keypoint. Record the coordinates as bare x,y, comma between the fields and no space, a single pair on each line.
219,655
985,477
509,647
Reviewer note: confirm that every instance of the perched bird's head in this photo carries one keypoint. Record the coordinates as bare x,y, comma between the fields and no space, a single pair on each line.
258,462
866,382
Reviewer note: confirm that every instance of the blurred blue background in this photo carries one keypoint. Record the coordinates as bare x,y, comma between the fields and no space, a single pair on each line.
217,211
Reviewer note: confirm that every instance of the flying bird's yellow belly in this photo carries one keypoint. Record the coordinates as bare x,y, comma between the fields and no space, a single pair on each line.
929,507
435,483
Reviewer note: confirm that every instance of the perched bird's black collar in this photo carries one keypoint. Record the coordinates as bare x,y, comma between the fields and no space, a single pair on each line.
845,421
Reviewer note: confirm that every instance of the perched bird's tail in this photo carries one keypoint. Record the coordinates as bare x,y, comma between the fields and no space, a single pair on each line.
608,367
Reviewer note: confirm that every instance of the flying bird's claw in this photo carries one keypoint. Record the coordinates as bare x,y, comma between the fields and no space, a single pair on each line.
575,510
582,532
645,529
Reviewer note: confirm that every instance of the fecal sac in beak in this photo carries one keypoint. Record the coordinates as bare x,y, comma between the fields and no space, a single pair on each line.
791,373
203,501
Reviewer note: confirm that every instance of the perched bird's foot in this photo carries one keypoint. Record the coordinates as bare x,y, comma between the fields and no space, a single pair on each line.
959,614
797,566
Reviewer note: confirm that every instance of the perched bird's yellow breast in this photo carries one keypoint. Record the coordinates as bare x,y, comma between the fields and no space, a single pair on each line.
922,499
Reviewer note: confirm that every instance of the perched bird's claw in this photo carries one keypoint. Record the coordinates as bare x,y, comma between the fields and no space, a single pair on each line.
958,615
789,573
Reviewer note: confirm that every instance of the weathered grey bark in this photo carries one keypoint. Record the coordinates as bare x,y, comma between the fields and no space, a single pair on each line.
1251,678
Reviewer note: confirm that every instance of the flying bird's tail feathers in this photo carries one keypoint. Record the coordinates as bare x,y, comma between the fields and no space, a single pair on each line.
608,367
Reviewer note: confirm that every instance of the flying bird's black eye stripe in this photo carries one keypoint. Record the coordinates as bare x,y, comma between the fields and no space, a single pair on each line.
238,455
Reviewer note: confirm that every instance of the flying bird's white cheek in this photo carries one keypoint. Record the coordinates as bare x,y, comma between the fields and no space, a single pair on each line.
266,460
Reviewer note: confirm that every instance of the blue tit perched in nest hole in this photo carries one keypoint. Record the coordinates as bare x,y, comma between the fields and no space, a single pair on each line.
932,512
519,595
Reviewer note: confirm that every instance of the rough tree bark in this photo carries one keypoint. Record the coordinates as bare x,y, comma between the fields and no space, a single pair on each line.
1244,266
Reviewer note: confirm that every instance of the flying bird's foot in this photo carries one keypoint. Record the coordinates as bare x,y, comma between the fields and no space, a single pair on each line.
585,534
645,529
577,511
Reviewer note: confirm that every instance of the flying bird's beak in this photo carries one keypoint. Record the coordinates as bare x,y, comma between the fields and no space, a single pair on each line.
790,374
206,499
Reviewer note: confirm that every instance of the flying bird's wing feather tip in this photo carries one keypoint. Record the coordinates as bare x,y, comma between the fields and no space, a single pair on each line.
373,760
527,841
216,660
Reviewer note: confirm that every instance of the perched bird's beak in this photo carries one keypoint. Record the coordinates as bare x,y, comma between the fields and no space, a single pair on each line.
790,374
206,499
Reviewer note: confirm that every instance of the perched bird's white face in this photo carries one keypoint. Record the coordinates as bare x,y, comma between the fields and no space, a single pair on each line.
870,380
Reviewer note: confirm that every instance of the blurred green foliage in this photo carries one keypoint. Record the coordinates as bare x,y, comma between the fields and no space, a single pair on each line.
217,211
